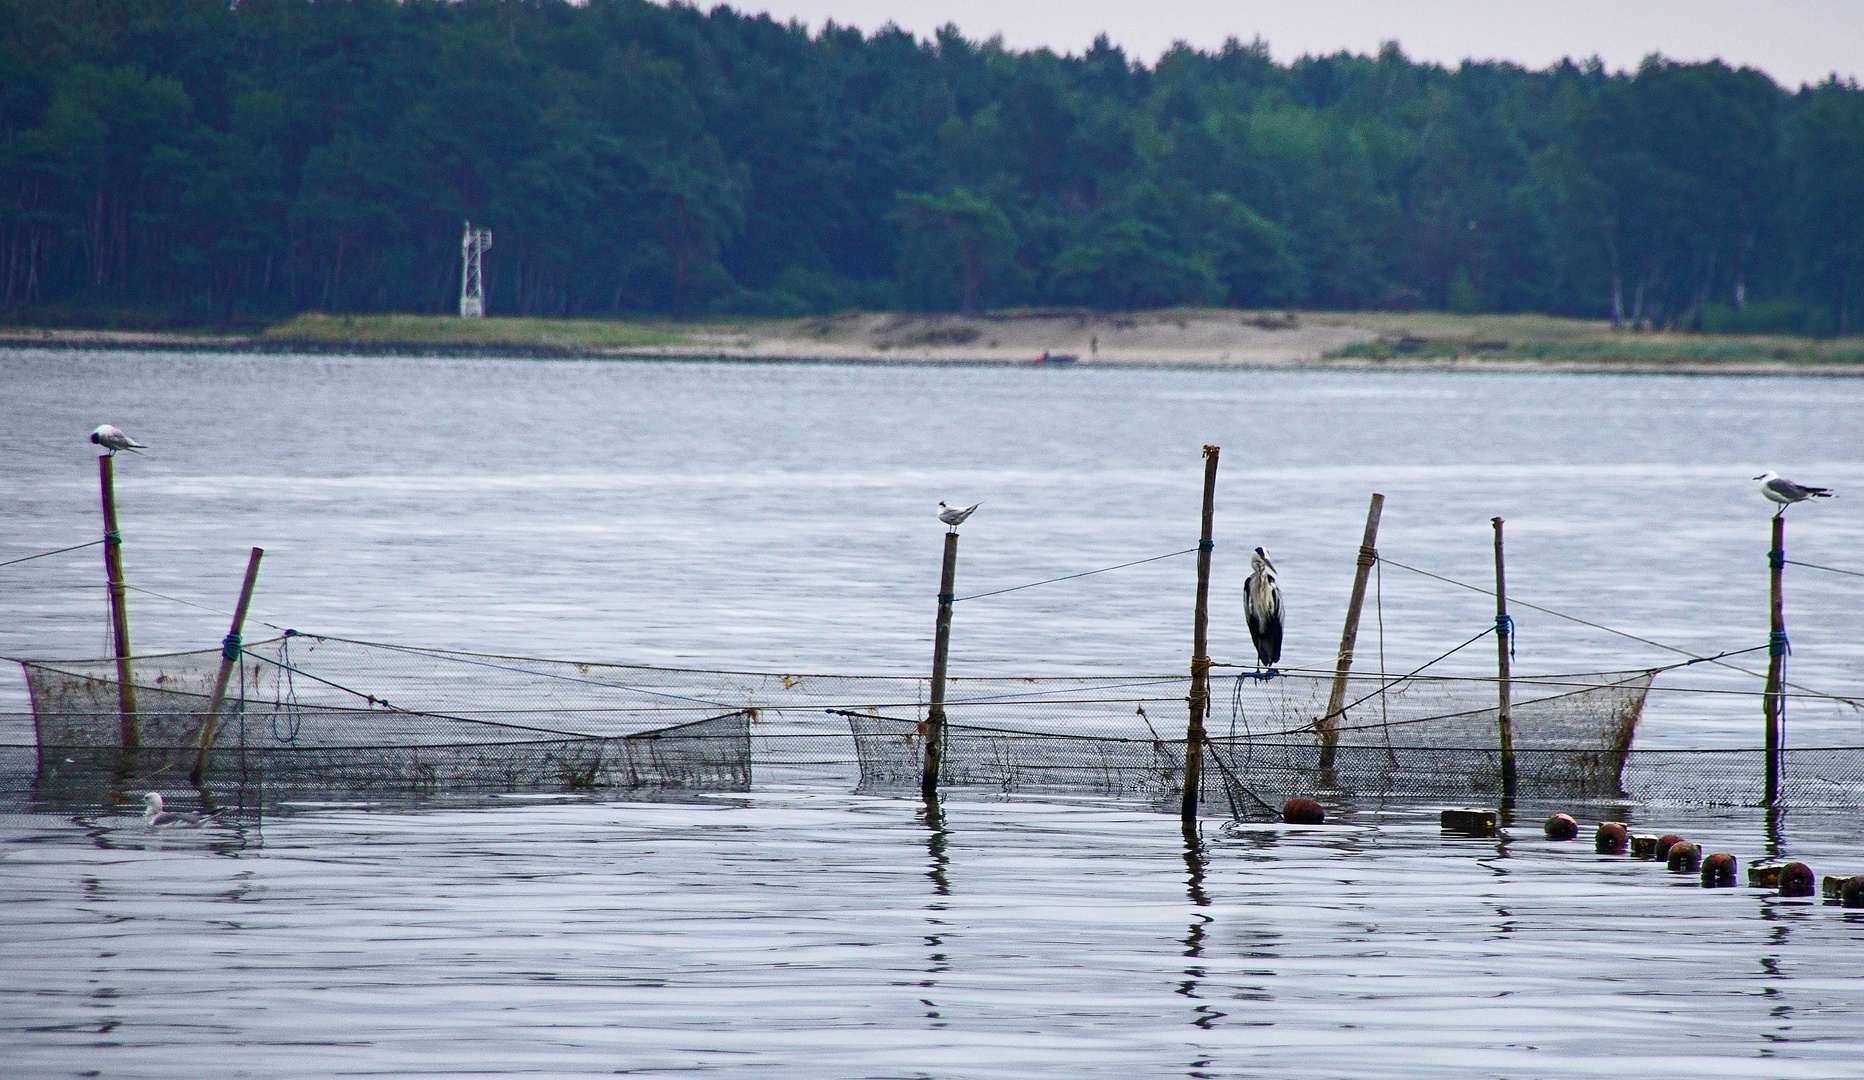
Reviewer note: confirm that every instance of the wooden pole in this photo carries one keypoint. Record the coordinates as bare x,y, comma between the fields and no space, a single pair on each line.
1200,663
1774,698
941,652
1328,726
1504,636
119,611
229,656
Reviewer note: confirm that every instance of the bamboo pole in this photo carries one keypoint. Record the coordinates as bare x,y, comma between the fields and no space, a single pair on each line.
229,656
1773,700
1504,637
1200,662
119,610
941,652
1328,725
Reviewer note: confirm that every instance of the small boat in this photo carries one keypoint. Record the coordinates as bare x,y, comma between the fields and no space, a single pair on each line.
1057,358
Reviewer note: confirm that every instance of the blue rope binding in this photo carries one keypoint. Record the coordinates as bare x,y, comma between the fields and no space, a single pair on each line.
230,647
1504,625
1777,645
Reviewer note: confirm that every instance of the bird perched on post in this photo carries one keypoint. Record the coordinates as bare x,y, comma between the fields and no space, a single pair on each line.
157,818
112,439
1783,491
955,515
1263,607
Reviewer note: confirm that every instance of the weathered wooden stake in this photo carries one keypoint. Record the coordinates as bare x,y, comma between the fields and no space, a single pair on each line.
941,651
229,656
1774,697
1328,726
119,611
1200,663
1504,635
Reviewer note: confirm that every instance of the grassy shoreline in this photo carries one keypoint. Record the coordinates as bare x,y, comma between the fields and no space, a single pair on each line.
1174,337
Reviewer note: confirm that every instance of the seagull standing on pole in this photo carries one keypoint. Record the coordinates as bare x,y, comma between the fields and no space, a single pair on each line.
1783,491
955,515
1263,607
112,439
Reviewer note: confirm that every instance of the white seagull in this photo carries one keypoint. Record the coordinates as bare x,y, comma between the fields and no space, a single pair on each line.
112,439
1783,491
955,515
1263,608
157,818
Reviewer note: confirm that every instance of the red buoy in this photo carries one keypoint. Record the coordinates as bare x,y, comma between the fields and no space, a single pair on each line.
1718,870
1302,812
1664,843
1562,827
1684,857
1796,879
1610,839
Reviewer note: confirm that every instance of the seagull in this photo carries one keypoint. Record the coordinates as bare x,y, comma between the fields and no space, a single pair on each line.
1783,491
955,515
157,818
112,439
1262,605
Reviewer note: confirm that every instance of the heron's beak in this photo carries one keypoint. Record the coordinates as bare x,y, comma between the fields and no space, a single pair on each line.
1758,477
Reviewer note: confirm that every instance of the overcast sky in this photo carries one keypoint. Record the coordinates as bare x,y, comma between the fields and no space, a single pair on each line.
1795,41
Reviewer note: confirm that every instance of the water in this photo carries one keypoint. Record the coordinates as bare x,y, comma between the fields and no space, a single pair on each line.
779,517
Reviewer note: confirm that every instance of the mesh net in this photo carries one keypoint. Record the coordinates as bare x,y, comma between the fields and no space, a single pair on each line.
294,718
306,712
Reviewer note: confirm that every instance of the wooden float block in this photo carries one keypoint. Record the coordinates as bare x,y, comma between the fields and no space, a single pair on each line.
1848,891
1644,846
1765,875
1470,822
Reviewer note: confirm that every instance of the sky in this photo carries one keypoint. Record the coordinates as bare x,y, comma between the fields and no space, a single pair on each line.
1795,41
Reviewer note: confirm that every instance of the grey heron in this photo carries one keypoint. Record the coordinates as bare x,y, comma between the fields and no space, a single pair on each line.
1779,489
1262,605
955,515
112,439
157,818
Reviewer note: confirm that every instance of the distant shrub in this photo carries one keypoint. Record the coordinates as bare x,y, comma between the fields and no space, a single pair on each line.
1769,317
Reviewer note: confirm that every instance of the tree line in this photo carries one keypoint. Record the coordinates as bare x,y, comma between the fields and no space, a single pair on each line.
226,159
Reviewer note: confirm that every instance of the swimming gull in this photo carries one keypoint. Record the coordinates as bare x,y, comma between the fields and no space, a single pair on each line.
157,818
1783,491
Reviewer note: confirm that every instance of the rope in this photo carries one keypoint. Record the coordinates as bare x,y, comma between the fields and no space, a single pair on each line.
1504,625
61,551
373,700
203,607
1854,703
1790,562
522,671
1071,577
1342,710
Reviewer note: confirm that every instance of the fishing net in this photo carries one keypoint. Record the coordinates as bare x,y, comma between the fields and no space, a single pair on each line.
319,713
293,720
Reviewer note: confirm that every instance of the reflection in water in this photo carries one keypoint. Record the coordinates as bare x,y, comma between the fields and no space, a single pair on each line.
932,816
1776,832
1196,859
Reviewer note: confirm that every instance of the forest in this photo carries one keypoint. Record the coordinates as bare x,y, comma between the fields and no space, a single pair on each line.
214,161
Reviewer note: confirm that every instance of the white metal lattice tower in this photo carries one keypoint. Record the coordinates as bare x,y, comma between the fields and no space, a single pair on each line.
472,293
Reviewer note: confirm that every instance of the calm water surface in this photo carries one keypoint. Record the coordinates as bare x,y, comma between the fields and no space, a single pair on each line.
779,517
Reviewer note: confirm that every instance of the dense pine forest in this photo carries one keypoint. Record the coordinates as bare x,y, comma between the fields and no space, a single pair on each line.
211,160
